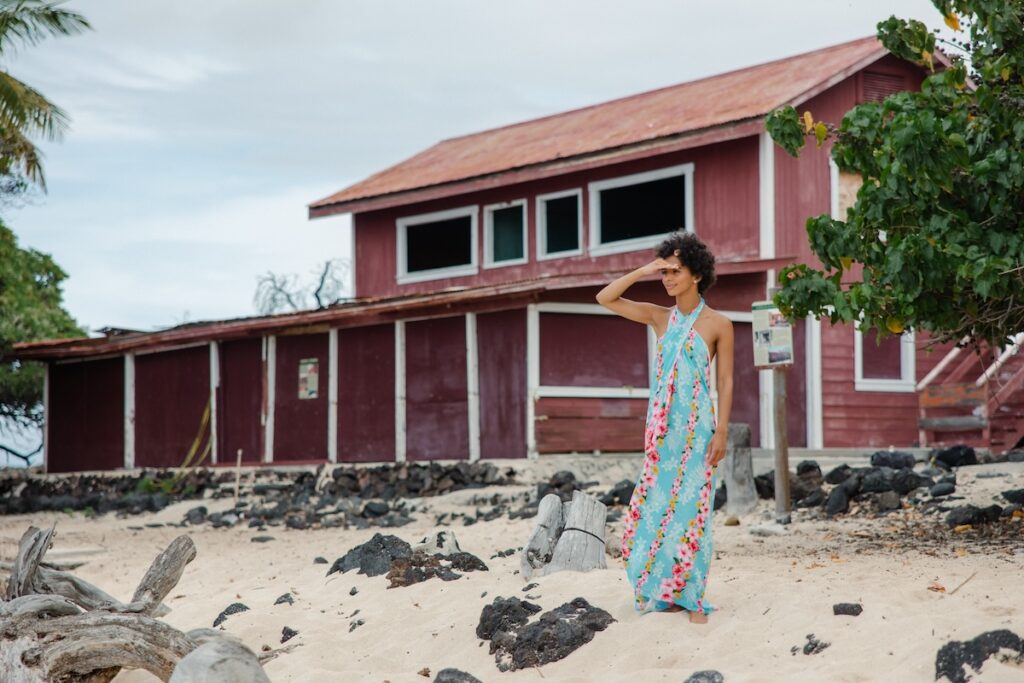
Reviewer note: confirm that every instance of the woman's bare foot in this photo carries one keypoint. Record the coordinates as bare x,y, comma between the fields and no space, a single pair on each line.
674,608
698,618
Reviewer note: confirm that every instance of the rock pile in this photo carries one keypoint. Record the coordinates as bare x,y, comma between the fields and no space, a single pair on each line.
404,565
517,644
955,655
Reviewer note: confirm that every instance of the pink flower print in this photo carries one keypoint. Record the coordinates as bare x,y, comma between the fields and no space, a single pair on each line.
695,545
677,569
634,513
665,595
687,565
679,583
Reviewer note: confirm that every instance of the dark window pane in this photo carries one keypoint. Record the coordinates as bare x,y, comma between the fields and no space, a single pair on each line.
654,208
440,244
562,220
507,233
880,360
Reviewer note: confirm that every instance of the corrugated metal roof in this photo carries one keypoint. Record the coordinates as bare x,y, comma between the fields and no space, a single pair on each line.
676,110
367,311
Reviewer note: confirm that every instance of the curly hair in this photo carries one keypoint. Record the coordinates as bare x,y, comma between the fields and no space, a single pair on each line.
693,254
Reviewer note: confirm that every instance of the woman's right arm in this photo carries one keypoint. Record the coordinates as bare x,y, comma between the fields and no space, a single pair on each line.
611,296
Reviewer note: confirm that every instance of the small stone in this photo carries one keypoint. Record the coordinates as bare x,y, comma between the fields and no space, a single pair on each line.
813,646
287,634
353,590
196,515
319,560
261,539
529,586
455,676
814,499
353,625
732,521
851,609
233,608
425,672
707,676
893,459
837,502
1015,496
888,501
839,474
943,489
286,598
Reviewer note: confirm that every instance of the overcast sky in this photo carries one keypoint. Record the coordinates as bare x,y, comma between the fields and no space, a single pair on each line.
202,128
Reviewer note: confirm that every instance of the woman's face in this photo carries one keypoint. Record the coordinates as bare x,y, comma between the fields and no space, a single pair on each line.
676,280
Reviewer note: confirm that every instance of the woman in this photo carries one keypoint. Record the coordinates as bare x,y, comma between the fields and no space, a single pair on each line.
667,542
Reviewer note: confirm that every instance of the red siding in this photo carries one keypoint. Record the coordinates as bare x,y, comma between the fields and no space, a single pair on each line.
85,423
239,400
172,389
436,408
592,351
725,216
300,424
366,394
501,353
746,406
584,425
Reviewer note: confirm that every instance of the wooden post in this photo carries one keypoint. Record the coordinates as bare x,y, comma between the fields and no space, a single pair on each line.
737,471
238,473
782,502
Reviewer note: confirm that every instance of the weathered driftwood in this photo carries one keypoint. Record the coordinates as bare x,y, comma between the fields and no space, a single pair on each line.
46,635
31,549
738,472
219,658
567,536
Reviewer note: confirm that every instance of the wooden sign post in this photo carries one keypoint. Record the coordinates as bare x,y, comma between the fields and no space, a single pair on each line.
773,352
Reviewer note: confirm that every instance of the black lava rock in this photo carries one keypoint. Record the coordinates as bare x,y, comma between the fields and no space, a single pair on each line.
1015,496
196,515
850,609
319,560
1010,509
375,508
955,655
877,480
807,468
941,490
838,474
233,608
721,497
812,500
285,599
1015,456
895,459
504,614
813,646
555,635
972,514
287,634
455,676
764,484
374,557
837,502
562,484
466,562
707,676
261,539
887,501
620,494
904,481
955,456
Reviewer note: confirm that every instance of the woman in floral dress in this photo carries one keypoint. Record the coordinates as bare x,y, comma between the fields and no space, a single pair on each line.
667,541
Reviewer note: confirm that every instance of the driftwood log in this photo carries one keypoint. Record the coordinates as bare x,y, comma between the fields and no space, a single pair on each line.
57,627
568,535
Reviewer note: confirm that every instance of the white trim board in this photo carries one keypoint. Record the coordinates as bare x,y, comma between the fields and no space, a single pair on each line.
403,276
129,410
594,189
766,194
400,444
532,376
548,391
489,210
908,362
815,406
472,388
332,395
541,224
271,370
214,385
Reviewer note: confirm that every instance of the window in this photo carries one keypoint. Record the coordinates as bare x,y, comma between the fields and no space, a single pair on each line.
559,224
886,364
637,211
505,234
437,245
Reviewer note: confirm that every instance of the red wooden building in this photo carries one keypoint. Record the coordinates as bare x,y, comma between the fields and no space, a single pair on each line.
474,332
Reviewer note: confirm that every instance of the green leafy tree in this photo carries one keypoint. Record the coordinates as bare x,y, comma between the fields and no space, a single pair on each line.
935,240
30,308
24,112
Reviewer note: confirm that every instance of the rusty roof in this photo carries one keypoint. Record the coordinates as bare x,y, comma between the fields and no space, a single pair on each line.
361,312
668,113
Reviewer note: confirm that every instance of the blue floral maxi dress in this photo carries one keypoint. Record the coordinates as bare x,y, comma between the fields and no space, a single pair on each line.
667,541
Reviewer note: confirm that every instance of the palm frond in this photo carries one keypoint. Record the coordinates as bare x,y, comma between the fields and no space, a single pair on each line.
27,22
19,156
26,109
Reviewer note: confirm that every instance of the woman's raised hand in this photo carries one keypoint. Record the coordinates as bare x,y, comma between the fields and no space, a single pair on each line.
658,265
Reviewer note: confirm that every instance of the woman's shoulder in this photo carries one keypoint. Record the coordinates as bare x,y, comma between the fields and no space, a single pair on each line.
717,318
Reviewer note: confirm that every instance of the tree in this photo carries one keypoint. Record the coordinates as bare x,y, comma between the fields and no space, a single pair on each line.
30,309
24,112
935,240
276,293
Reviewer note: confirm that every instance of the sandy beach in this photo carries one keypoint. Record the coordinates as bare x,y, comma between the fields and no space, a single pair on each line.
918,592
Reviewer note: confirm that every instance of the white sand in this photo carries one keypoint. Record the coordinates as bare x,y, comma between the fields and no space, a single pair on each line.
771,593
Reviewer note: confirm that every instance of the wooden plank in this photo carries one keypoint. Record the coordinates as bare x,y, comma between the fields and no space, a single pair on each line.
591,408
953,395
609,435
959,423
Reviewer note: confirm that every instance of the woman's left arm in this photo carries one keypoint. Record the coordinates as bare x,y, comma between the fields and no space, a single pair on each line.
725,362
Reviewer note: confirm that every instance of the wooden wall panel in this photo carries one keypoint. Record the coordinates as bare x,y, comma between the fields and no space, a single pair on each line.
300,424
436,409
592,351
240,400
745,384
584,425
85,429
366,394
172,390
501,352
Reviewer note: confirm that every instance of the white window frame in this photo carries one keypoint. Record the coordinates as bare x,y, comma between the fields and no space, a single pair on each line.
542,224
908,366
594,189
489,210
403,276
